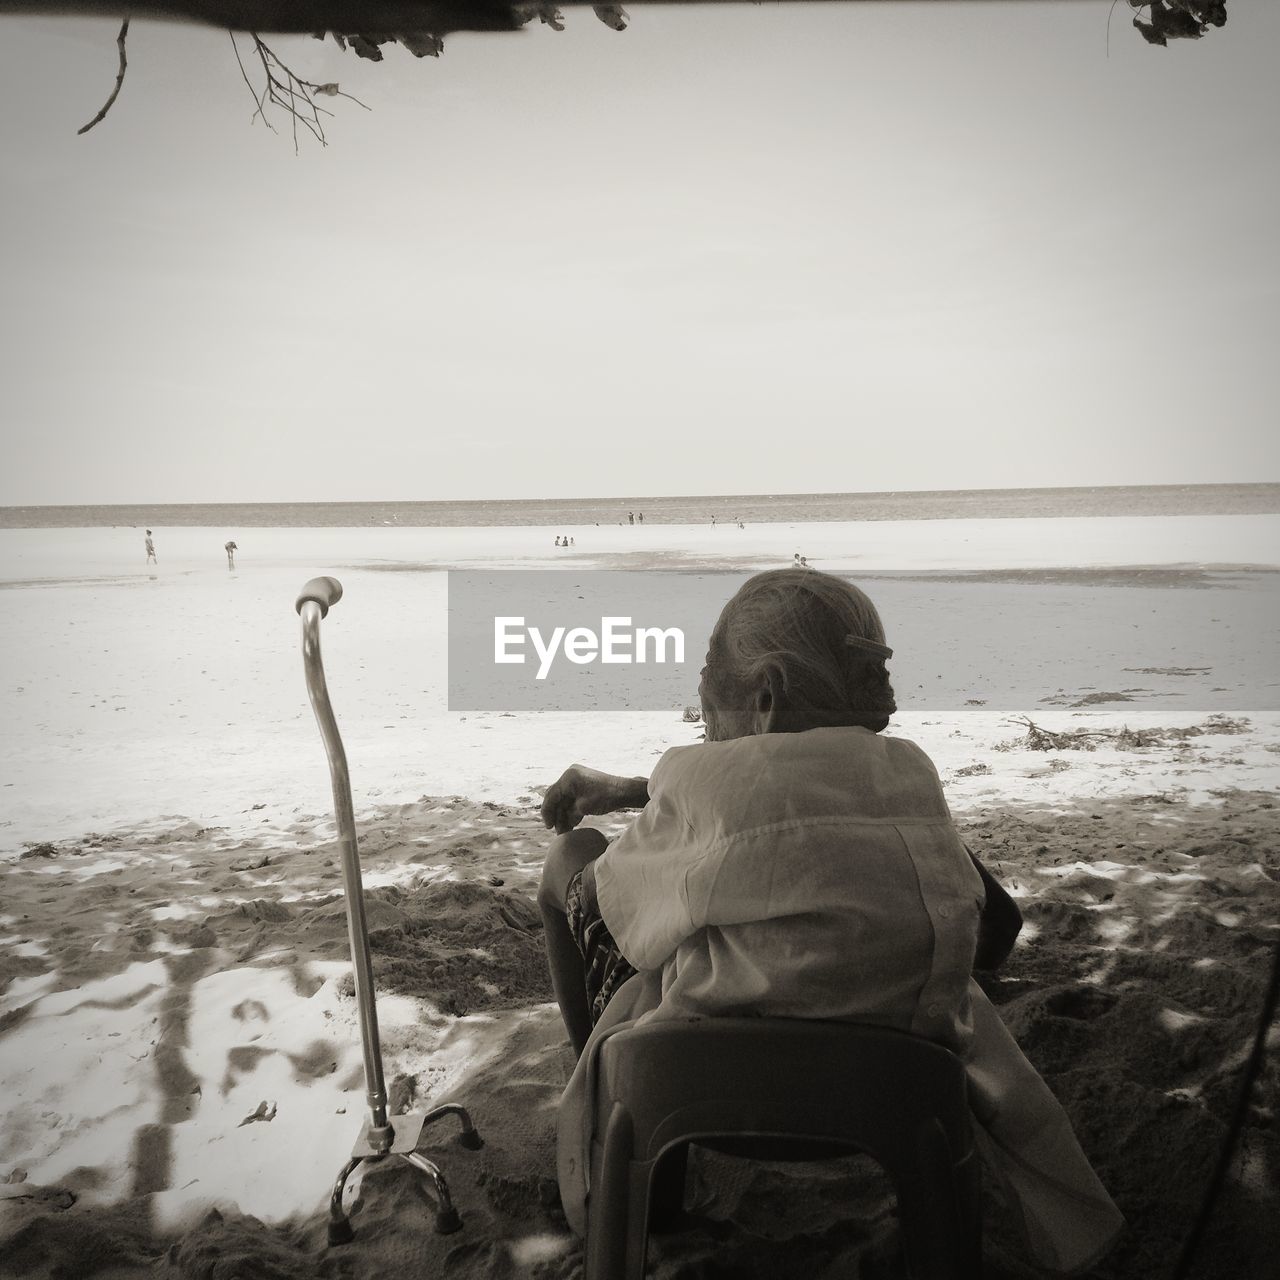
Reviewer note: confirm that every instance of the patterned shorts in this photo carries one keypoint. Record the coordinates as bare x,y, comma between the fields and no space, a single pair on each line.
604,966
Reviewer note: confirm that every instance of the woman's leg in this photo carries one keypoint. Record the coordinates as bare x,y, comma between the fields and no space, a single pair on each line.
568,854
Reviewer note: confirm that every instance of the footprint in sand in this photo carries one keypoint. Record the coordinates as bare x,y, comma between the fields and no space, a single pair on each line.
1081,1003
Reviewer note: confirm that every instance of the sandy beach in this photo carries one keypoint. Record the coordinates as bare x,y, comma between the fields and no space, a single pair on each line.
182,671
178,1045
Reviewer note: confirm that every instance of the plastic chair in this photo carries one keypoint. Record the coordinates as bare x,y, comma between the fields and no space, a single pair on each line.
781,1089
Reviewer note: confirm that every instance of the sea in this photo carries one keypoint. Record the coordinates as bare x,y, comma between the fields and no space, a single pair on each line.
786,508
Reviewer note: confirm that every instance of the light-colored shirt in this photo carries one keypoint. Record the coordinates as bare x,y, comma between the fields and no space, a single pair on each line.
818,875
807,875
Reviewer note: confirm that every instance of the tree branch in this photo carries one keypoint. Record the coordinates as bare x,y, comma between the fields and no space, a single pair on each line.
286,90
301,17
115,93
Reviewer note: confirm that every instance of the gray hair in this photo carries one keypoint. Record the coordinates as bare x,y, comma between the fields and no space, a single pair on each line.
822,634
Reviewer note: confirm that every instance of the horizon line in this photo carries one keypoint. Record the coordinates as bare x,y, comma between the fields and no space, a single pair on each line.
626,498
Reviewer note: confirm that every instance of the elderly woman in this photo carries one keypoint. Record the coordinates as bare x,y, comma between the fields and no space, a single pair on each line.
800,864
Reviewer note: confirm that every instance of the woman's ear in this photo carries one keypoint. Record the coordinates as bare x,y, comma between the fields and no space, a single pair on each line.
770,708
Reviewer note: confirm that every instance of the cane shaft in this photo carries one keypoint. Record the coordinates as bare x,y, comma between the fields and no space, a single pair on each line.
348,847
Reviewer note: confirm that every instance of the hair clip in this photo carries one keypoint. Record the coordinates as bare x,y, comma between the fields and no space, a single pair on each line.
859,642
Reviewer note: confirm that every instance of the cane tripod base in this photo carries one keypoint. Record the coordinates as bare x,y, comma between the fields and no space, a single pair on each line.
406,1135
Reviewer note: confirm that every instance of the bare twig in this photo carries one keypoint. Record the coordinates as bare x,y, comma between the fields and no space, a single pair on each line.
248,85
1040,739
115,93
1109,13
283,89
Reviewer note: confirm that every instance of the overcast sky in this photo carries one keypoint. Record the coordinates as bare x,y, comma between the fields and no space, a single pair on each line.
731,249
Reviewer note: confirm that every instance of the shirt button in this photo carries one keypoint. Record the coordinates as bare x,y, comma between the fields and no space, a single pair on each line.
934,1010
944,912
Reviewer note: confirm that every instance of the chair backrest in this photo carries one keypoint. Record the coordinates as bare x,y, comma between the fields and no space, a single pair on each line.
826,1082
782,1089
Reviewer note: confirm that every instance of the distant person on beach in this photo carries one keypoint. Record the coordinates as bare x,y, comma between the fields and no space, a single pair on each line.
640,517
151,550
631,517
800,863
557,539
230,548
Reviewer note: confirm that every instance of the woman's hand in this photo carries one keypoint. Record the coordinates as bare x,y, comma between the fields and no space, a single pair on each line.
581,792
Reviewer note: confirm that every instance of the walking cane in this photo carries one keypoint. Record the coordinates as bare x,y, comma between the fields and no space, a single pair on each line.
381,1139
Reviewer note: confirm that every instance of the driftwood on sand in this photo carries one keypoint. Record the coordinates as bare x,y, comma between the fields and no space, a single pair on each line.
1037,738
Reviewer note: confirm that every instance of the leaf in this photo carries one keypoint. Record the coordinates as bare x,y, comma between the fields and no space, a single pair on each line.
264,1111
612,15
422,44
365,48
